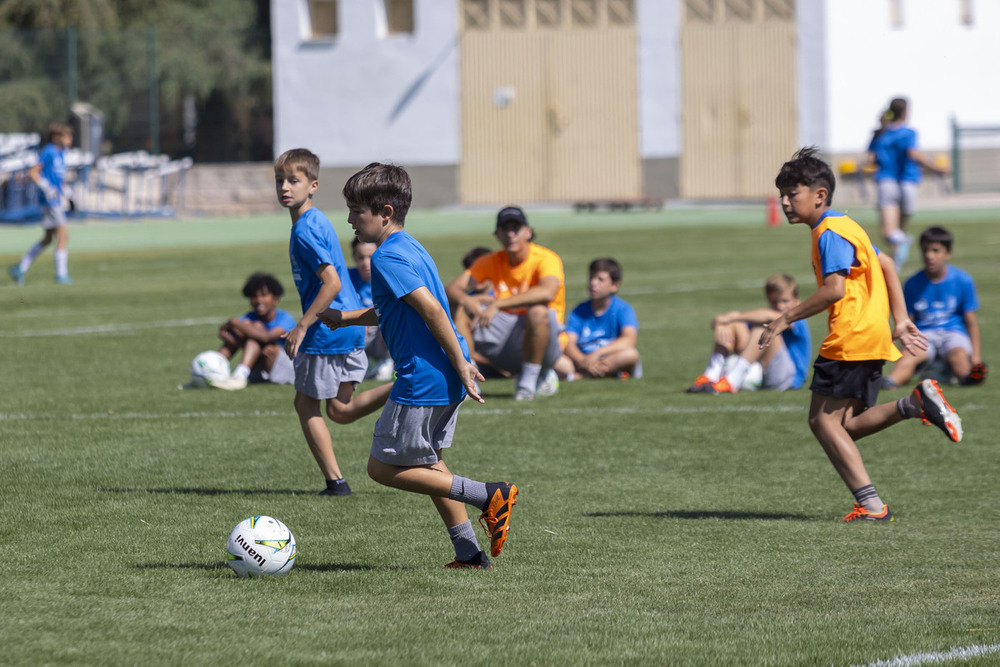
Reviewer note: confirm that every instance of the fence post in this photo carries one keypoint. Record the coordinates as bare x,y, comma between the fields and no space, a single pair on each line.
954,155
71,64
154,97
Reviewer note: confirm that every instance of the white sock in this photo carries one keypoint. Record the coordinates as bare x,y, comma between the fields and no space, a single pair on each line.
714,369
29,257
529,376
738,372
62,262
241,371
897,237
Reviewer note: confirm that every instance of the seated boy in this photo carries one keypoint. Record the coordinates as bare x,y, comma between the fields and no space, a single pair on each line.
601,332
942,302
380,365
258,333
784,364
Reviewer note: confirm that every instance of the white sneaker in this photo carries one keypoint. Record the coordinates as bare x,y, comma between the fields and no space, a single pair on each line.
231,383
384,370
549,384
524,395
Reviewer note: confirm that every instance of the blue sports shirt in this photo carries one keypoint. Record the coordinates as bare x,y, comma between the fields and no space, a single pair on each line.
891,148
53,161
363,289
799,345
424,375
941,305
314,243
596,331
282,319
836,253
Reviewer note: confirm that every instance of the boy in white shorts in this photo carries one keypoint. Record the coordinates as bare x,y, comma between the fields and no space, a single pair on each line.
433,370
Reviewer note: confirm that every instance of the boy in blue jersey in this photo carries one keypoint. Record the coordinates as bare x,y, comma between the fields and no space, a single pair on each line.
942,301
259,334
783,365
328,364
433,371
380,366
602,331
894,150
49,174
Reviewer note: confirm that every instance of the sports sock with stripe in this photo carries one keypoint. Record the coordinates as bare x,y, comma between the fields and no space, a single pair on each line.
468,491
868,498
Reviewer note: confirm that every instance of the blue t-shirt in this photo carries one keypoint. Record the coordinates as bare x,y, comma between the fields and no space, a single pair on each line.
363,289
941,305
891,148
595,331
282,319
53,161
314,243
836,253
799,345
424,375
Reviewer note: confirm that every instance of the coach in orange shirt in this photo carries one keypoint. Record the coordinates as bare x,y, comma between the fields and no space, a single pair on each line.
517,327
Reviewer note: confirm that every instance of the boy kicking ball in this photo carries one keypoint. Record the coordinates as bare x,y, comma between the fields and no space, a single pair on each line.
859,288
433,371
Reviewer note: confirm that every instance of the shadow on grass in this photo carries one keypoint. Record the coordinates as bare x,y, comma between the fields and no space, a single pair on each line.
709,514
214,492
312,567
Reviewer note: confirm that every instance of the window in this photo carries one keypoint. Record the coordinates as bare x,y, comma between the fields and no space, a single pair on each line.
399,16
323,18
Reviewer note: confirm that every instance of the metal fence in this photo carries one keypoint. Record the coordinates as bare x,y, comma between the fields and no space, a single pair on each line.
975,158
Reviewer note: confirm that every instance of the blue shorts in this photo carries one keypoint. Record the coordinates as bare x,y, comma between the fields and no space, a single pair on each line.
847,379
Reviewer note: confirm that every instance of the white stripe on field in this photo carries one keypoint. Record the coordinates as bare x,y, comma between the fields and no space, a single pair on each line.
111,328
959,653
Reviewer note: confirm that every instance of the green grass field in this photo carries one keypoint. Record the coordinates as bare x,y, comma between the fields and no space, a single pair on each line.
653,526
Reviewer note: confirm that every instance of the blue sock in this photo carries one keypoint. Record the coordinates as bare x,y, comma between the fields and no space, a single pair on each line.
463,538
468,491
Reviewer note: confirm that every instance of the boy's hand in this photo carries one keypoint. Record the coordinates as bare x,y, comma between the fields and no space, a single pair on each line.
293,339
469,374
773,328
909,336
334,319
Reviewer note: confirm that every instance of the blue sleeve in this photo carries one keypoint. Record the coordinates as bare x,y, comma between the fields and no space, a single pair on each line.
627,318
313,249
836,254
969,300
285,320
398,275
575,324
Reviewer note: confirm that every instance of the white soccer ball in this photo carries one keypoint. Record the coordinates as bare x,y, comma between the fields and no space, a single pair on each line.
754,377
261,546
208,368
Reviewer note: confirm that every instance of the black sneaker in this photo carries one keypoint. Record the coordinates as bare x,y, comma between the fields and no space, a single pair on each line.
495,519
336,488
477,562
935,410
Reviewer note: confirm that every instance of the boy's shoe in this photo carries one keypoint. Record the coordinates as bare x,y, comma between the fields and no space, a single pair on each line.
934,409
524,395
477,562
549,384
723,387
902,251
859,512
339,489
699,385
64,280
16,274
231,383
495,519
384,370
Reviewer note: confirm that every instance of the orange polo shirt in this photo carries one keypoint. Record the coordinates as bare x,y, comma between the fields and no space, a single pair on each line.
510,280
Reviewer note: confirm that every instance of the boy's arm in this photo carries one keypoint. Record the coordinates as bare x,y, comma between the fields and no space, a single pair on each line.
436,317
366,317
904,330
458,294
757,317
626,341
327,293
972,326
829,293
255,331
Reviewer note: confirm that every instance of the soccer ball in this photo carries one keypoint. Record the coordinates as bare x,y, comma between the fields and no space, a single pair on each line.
754,377
261,546
208,368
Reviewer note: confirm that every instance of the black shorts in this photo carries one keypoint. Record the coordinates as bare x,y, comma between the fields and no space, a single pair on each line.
847,379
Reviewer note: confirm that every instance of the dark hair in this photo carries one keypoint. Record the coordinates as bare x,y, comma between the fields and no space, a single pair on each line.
470,257
355,242
262,282
59,130
380,184
298,158
897,109
937,235
805,168
607,264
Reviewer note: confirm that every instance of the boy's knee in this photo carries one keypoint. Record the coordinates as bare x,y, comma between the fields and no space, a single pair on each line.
537,316
340,413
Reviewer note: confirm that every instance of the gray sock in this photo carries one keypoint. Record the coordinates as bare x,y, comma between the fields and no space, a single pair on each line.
468,491
463,538
868,498
909,407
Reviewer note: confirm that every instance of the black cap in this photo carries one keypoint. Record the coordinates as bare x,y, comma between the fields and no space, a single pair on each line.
511,213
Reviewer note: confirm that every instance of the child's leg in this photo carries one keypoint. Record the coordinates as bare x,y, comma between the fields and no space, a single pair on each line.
310,411
826,420
34,251
61,254
904,368
959,361
251,353
348,406
623,360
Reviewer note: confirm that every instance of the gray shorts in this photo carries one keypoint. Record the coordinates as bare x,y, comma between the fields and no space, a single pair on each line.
411,435
898,193
282,372
320,375
502,342
780,373
940,342
53,217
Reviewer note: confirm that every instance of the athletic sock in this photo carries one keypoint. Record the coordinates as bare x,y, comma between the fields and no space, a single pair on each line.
468,491
242,371
738,372
463,538
29,257
868,498
897,237
909,407
714,369
529,376
62,262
